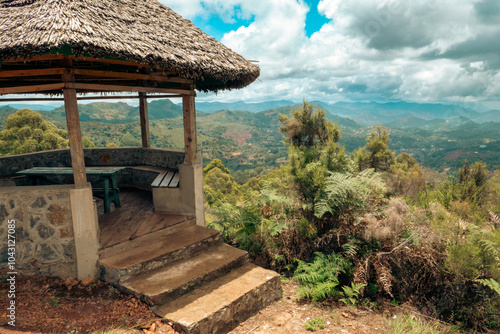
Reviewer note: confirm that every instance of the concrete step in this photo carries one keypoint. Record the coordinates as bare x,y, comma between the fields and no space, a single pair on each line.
180,277
222,304
155,250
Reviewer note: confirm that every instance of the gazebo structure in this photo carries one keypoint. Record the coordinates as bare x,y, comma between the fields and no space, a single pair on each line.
71,50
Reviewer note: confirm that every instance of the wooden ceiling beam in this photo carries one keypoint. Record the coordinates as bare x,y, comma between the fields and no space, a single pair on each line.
117,88
32,88
132,76
34,58
116,97
31,72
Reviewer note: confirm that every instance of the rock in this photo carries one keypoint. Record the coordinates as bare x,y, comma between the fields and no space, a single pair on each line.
165,329
87,281
70,282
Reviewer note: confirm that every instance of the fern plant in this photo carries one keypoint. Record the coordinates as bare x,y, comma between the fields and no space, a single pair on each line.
319,279
352,293
482,237
347,191
490,283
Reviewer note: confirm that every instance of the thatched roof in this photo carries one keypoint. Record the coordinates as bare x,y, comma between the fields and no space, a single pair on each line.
142,31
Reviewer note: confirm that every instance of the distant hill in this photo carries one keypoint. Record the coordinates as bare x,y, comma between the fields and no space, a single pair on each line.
488,116
45,107
384,113
211,107
371,113
437,135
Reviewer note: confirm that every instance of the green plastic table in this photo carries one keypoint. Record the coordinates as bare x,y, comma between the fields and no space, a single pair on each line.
109,191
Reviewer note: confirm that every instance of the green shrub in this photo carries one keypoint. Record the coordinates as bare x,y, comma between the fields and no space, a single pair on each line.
348,192
320,279
315,324
351,294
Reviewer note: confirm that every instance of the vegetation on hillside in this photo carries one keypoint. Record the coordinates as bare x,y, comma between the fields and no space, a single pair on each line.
250,145
362,226
26,131
368,228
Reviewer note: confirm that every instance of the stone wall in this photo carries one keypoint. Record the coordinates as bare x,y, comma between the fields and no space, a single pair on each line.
122,156
119,156
44,230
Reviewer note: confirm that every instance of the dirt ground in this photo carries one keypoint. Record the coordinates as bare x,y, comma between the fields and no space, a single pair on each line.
51,305
289,316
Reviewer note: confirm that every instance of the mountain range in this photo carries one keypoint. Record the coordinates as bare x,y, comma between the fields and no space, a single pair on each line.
372,113
246,138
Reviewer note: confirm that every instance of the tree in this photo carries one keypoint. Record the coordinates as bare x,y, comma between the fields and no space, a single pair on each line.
308,127
407,177
377,145
26,131
129,140
86,142
472,181
216,163
313,148
218,184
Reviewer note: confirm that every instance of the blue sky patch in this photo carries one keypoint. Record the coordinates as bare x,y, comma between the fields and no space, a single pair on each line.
216,27
314,20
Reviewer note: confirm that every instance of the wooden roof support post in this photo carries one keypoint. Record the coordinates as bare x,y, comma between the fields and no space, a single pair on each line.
143,109
190,140
74,133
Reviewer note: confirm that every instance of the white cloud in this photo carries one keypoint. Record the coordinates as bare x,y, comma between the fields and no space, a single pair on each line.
423,50
274,38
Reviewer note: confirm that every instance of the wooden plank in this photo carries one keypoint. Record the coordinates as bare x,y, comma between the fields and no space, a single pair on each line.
35,58
159,178
110,222
118,88
115,97
74,134
189,119
127,226
168,221
175,181
132,76
143,114
115,62
31,73
166,180
32,89
147,225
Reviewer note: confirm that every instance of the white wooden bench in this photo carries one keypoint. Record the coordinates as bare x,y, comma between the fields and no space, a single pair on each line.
166,180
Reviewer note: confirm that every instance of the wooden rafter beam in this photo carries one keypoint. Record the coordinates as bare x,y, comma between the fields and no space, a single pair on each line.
76,60
116,97
34,58
131,76
32,88
116,88
31,73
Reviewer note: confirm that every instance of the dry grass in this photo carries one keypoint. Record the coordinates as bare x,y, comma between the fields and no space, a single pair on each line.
391,227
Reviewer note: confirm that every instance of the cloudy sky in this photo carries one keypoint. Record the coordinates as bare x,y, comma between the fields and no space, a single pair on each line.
359,50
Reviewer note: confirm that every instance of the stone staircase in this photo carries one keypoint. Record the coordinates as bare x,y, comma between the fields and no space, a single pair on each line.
190,277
